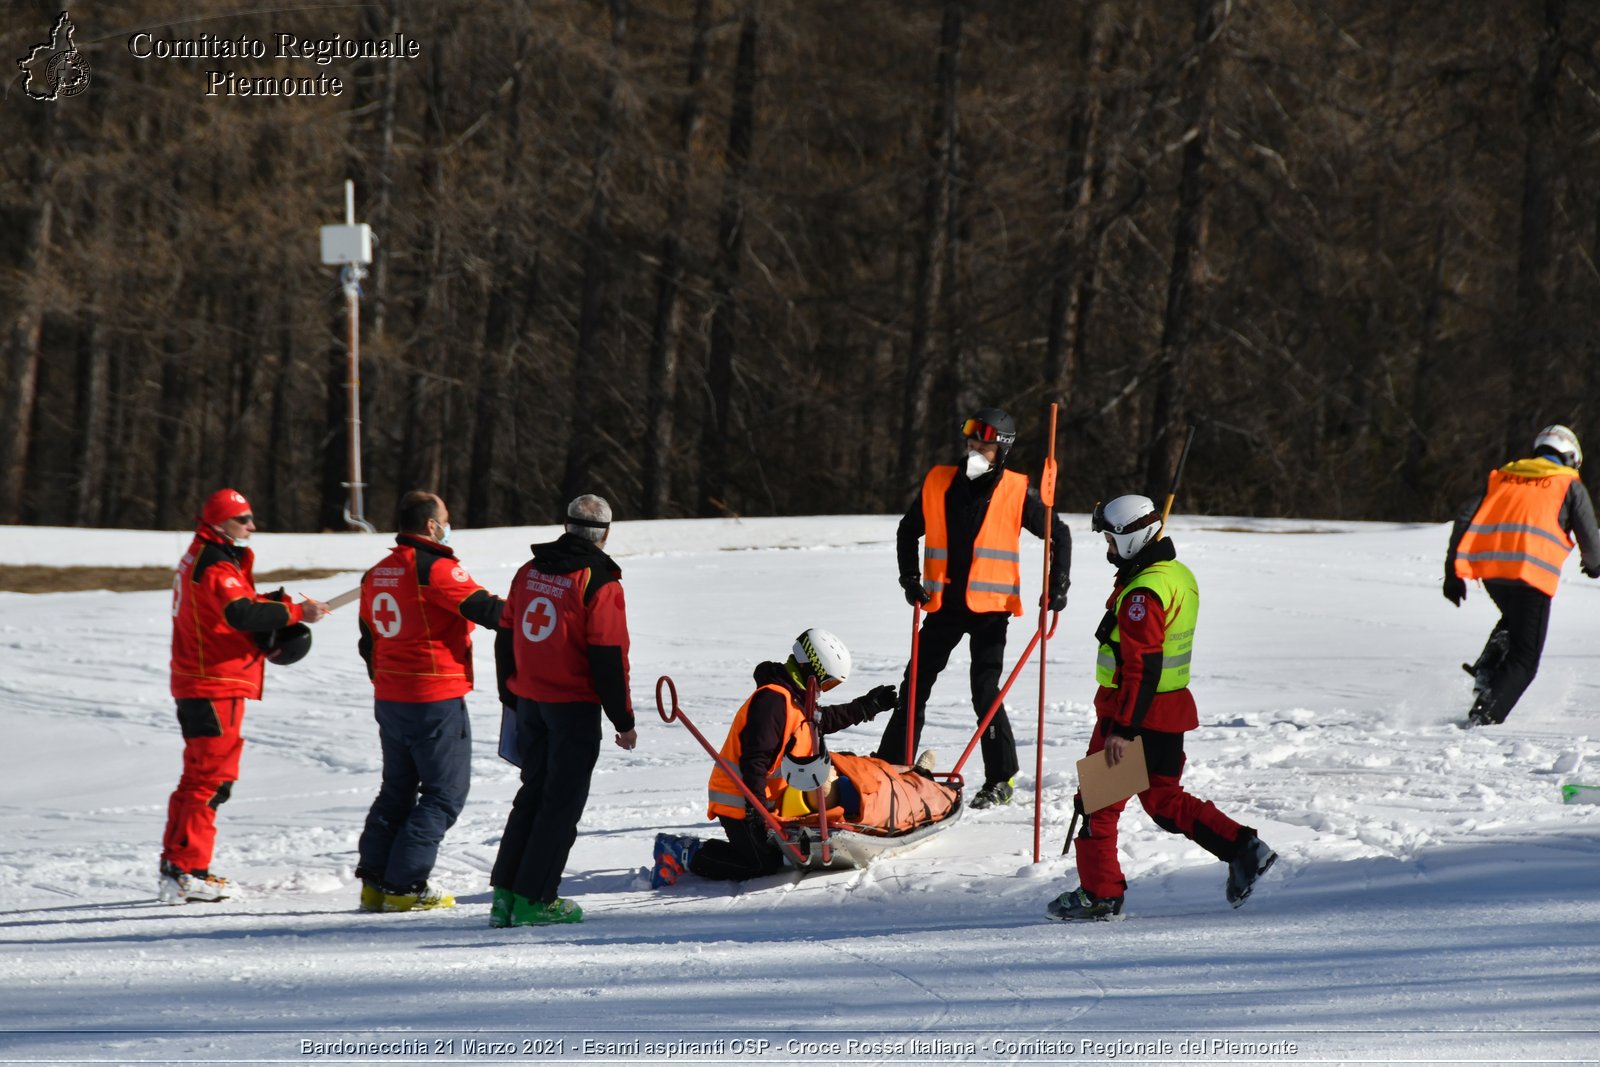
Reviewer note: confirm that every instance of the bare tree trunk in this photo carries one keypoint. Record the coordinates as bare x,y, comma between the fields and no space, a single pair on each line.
663,363
94,372
280,432
1425,380
931,262
725,272
1188,250
1076,262
596,266
494,366
1533,343
25,319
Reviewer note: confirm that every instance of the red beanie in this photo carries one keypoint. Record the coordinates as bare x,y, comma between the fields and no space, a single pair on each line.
223,505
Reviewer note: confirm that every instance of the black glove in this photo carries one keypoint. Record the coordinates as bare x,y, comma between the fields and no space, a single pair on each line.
277,594
1591,570
916,595
881,698
1455,589
1056,600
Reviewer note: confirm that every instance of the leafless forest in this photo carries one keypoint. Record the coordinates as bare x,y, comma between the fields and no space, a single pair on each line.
712,257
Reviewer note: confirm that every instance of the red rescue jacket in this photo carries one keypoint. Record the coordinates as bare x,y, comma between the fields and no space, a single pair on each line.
417,610
568,627
211,655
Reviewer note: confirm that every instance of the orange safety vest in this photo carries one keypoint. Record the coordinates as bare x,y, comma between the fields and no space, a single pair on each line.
995,581
723,793
1516,532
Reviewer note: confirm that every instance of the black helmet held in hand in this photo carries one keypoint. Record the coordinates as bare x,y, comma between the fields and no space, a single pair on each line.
286,646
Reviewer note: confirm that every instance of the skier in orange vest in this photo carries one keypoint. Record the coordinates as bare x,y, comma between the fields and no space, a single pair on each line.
1514,537
971,518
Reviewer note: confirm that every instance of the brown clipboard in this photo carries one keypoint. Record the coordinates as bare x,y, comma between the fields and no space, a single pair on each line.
1101,785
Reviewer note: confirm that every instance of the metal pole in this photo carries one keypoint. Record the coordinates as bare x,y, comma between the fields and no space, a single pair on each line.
352,274
1047,494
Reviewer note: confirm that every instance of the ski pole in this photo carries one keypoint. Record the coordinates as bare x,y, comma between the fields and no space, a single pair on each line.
677,715
1047,494
911,682
1072,827
1177,476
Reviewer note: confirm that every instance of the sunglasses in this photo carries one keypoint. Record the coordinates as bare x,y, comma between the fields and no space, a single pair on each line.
242,520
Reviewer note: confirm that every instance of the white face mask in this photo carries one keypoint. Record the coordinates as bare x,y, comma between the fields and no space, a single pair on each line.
444,534
977,466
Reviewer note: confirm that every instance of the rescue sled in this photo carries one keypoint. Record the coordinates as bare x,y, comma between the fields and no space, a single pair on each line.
894,809
849,845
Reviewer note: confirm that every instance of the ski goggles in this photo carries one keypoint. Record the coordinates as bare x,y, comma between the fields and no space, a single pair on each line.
979,430
1100,524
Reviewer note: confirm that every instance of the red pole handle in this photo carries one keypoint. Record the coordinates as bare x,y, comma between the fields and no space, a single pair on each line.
732,772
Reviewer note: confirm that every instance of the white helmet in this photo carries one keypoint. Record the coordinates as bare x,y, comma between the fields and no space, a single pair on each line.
1129,523
825,654
807,772
1563,442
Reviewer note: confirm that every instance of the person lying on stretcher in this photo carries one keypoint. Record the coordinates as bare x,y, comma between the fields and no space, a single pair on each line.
866,794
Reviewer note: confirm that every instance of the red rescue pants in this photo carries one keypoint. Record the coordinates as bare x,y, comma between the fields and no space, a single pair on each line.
211,748
1168,805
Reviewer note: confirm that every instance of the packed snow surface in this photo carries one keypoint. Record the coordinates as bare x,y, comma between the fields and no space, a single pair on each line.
1435,901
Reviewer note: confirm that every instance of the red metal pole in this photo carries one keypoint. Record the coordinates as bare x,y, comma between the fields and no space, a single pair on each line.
822,798
677,715
1047,494
911,683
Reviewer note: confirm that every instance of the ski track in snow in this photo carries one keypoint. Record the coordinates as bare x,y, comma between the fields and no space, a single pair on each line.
1434,900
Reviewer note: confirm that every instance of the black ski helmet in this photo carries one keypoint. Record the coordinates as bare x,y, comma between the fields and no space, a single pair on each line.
992,425
286,646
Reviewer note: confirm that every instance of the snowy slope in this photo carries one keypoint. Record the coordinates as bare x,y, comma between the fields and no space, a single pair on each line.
1435,901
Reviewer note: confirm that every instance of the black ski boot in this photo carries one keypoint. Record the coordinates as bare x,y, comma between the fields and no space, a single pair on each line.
1080,905
1252,860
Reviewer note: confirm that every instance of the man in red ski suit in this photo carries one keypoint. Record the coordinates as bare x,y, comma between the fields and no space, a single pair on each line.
564,644
417,610
223,631
1146,639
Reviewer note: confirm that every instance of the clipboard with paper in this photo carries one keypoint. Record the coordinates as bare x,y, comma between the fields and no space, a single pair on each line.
1102,785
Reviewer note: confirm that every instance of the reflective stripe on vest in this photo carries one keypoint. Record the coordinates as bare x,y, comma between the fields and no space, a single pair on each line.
723,795
995,581
1516,532
1174,584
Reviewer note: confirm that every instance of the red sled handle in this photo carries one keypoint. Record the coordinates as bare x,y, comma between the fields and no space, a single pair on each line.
677,715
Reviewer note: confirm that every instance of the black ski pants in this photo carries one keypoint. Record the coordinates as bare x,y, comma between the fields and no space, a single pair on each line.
1524,619
941,632
559,745
747,853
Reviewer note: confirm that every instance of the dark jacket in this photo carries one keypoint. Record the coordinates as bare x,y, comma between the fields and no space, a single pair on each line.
966,503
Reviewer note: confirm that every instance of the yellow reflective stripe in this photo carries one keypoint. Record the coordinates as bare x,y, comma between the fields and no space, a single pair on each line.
1486,529
1510,557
